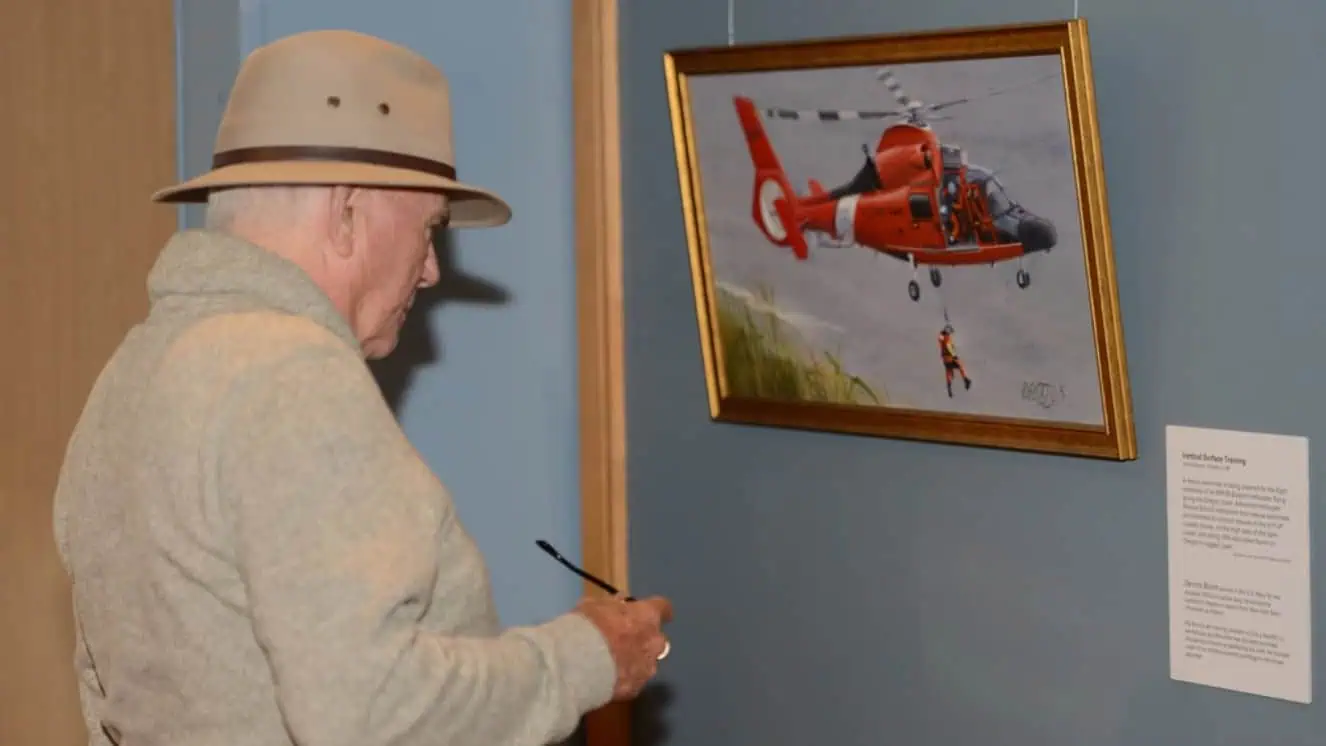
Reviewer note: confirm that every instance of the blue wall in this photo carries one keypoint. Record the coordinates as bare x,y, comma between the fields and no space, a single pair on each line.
842,590
490,390
206,60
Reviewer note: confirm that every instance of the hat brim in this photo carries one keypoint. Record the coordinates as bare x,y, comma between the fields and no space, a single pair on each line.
471,206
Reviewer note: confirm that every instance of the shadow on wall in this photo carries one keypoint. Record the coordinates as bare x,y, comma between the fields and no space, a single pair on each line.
418,346
648,722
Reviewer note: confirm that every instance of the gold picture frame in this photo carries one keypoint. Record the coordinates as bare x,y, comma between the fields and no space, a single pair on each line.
1015,178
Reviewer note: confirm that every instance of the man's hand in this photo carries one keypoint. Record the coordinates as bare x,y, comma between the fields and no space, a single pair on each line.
633,630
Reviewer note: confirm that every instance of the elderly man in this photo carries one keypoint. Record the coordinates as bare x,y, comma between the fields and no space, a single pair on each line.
258,555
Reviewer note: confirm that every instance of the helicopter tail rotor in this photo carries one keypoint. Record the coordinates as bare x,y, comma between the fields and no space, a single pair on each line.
773,203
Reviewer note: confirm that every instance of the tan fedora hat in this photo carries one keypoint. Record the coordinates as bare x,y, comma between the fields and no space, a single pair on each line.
340,107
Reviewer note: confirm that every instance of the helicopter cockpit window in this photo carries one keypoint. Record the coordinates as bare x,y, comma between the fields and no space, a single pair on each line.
997,198
866,180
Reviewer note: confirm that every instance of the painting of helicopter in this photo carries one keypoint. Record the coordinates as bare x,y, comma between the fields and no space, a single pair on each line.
916,198
818,179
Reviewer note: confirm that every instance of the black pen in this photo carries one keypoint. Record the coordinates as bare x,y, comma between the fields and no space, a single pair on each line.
605,585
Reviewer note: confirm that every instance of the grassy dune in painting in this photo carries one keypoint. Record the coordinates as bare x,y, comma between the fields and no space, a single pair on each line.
765,358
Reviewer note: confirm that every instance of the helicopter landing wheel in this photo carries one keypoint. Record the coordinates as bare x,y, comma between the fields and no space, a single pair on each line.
936,279
914,290
1023,278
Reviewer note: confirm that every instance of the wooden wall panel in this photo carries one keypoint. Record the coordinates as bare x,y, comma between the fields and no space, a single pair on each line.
88,131
600,318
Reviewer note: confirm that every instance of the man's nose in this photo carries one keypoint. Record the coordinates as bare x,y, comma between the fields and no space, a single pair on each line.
431,272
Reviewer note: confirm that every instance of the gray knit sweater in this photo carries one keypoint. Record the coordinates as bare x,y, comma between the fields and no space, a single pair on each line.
260,558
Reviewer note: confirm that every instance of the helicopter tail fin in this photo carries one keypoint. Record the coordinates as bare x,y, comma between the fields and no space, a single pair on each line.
773,204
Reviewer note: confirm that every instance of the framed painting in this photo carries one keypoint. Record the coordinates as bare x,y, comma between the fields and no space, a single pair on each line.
905,236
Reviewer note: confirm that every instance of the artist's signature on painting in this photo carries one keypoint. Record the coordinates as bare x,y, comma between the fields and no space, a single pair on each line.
1044,394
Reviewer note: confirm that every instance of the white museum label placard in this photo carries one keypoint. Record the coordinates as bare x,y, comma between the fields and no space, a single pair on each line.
1239,561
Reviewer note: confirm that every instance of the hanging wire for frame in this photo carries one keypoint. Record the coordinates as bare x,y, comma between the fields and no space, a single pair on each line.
732,22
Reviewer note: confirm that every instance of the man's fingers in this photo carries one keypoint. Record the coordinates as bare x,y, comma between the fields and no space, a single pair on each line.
661,606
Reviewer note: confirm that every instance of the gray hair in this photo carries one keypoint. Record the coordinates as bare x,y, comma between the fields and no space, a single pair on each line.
260,205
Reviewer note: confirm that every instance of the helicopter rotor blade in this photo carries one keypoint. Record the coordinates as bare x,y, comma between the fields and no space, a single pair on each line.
994,92
912,108
895,87
916,107
829,115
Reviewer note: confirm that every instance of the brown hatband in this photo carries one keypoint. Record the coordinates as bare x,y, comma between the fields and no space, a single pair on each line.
273,153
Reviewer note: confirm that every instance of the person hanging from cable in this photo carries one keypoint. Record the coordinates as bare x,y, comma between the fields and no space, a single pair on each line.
948,352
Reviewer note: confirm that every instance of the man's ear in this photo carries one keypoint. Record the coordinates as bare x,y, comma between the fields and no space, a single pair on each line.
343,204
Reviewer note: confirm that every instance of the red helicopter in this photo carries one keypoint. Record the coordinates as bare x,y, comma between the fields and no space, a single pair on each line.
915,199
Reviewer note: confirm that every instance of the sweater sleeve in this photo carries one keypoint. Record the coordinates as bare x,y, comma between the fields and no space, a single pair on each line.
339,528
